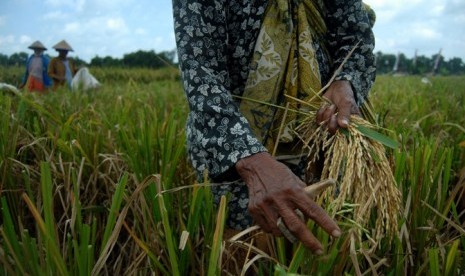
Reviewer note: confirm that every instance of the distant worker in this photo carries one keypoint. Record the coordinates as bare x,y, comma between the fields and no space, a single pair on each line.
62,69
36,77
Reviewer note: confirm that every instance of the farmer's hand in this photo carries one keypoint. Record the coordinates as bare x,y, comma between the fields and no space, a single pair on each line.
341,105
274,191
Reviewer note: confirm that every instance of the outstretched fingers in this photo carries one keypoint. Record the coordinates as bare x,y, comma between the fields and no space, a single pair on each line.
318,214
297,227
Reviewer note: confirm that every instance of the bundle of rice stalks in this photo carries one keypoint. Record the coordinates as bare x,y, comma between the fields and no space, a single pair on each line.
357,159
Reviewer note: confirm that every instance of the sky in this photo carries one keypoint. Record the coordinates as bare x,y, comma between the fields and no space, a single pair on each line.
117,27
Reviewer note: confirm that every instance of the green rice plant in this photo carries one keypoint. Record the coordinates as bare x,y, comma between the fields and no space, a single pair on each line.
134,75
214,263
9,135
11,74
451,266
79,245
114,212
170,242
424,168
11,246
434,262
50,257
423,110
68,134
109,156
200,212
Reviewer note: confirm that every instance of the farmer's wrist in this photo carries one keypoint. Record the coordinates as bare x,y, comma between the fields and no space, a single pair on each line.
339,86
245,167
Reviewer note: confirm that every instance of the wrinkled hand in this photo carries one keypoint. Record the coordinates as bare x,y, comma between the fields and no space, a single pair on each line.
274,191
341,105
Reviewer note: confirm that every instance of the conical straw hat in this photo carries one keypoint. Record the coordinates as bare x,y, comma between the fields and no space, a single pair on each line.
37,45
63,45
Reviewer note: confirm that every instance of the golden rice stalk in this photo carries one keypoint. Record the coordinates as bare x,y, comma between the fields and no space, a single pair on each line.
361,167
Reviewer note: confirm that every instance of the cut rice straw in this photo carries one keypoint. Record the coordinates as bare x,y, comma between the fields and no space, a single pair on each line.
355,157
362,169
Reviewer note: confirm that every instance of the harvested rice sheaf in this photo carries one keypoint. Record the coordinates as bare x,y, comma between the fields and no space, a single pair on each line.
360,165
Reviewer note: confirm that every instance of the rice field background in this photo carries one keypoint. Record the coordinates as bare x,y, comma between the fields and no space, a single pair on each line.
98,183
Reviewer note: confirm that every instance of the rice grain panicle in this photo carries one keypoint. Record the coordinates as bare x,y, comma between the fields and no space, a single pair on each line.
361,167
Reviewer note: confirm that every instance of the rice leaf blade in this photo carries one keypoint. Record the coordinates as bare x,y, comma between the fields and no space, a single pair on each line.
375,135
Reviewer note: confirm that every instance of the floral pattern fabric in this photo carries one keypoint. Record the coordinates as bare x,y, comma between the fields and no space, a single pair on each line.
216,41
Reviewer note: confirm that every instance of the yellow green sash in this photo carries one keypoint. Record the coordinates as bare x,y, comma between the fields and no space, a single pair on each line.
284,63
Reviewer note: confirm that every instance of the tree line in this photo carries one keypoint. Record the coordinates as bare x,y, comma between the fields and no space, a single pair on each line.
386,63
144,59
139,59
418,65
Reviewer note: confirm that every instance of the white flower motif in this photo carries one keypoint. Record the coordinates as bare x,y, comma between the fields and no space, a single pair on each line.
204,142
182,13
213,151
209,28
190,88
216,108
212,123
198,135
245,153
233,156
192,73
195,7
197,51
243,202
239,52
220,141
189,30
237,129
203,89
216,89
